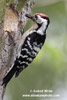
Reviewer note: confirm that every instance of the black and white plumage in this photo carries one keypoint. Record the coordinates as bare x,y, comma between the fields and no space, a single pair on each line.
29,48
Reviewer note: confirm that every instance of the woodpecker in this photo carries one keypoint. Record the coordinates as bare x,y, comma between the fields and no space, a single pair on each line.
34,39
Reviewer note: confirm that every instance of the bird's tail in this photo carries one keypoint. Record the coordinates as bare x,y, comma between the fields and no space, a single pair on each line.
9,75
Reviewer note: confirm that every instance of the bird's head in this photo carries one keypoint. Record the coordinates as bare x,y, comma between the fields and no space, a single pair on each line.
39,18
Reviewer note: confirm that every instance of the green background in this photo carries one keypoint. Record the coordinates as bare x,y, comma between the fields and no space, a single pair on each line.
49,69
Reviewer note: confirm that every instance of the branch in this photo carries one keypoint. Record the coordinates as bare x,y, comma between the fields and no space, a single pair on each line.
7,50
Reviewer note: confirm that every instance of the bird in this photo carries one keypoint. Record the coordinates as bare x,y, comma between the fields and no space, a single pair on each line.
33,40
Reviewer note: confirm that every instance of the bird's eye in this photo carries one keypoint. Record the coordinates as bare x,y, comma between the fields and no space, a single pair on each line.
36,16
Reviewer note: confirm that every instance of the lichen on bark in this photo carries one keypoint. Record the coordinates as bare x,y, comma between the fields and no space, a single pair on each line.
21,4
3,4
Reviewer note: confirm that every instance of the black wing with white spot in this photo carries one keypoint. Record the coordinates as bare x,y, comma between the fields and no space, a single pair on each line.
30,49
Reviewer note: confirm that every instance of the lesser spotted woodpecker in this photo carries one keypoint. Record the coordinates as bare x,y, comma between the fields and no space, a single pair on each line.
34,39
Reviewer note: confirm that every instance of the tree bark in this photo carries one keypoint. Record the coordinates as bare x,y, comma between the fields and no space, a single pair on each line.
7,50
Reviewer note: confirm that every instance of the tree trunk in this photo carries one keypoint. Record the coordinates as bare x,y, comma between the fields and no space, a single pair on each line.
7,50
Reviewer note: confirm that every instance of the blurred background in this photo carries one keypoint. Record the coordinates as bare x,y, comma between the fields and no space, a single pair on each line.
49,70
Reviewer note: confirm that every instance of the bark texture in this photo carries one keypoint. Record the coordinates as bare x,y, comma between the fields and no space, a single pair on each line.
8,50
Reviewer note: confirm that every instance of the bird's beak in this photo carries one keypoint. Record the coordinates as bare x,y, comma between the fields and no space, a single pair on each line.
30,16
